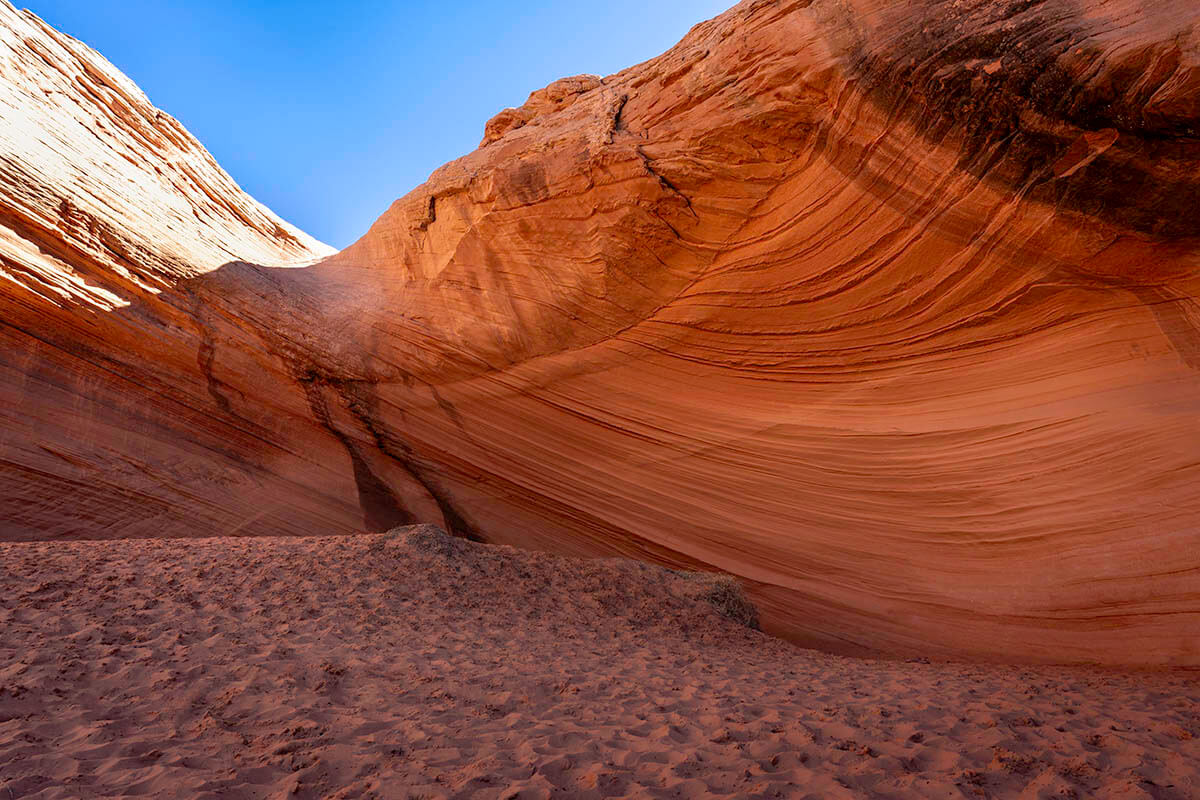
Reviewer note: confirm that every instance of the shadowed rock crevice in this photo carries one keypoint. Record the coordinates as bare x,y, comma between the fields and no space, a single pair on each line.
362,401
381,509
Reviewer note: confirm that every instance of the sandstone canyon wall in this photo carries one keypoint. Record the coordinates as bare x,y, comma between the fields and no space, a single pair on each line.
889,308
116,420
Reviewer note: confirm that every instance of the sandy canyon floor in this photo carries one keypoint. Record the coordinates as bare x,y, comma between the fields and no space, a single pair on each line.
414,665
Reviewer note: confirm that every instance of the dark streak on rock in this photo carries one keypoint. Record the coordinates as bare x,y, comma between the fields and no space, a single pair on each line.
448,407
618,110
363,404
664,182
206,354
931,76
1170,313
381,509
430,214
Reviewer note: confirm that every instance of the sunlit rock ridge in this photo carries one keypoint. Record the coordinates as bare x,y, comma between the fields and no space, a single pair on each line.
888,308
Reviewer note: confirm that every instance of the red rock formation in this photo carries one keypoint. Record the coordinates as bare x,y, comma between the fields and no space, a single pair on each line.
127,410
888,308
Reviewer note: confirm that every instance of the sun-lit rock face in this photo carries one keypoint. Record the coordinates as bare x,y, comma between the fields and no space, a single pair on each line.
117,418
887,307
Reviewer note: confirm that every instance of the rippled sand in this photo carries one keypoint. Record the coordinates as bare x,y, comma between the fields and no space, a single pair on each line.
414,665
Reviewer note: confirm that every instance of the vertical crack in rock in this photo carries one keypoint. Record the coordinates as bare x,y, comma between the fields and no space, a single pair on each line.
382,511
363,403
430,215
615,125
206,355
664,182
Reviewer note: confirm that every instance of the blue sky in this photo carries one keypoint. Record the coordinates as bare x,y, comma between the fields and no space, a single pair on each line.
327,112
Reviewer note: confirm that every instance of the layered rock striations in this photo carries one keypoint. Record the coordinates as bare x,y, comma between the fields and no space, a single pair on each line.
124,413
887,308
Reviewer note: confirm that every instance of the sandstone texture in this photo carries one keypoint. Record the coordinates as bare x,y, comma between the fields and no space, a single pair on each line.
888,308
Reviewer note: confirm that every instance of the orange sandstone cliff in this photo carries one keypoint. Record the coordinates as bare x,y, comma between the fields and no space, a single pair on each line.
888,308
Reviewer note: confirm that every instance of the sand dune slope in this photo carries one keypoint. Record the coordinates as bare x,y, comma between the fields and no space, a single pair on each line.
415,665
